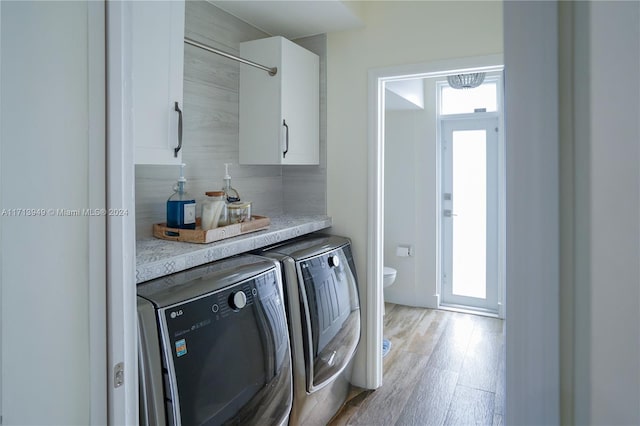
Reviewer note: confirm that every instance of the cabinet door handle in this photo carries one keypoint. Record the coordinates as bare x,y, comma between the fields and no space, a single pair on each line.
286,149
179,147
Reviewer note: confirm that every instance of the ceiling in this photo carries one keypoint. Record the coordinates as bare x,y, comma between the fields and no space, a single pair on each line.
295,19
405,94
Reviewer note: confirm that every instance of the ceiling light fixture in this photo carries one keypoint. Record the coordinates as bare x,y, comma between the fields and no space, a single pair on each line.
466,81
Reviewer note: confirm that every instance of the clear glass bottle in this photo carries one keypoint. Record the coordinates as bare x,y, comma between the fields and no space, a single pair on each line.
214,210
181,207
239,211
231,194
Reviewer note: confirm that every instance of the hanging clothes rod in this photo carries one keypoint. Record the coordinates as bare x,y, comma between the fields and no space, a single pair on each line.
272,71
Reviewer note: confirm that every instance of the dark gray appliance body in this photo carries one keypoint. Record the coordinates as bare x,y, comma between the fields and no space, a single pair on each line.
323,309
214,346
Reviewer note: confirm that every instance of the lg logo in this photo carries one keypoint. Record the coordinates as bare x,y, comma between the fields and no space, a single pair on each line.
176,314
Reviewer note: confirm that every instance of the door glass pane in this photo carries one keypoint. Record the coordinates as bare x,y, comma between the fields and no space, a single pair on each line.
456,101
469,170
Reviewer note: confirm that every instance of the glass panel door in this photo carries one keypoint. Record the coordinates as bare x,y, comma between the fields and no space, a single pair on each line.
470,213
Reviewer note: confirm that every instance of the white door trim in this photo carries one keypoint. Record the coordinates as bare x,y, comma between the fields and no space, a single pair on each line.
97,198
375,140
121,285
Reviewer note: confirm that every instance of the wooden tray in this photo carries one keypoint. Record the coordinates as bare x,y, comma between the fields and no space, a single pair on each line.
257,223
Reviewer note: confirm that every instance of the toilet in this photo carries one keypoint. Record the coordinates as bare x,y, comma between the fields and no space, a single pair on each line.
389,276
388,279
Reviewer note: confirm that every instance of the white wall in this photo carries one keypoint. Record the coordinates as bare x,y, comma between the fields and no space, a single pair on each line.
410,211
395,33
599,338
610,144
52,112
403,130
531,121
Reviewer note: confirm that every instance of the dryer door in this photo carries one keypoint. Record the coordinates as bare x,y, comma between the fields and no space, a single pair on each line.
331,311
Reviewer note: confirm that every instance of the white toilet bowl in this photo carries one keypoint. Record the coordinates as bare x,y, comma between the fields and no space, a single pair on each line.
389,276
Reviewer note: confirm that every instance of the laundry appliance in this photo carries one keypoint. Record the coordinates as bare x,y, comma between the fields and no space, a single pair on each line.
214,346
323,309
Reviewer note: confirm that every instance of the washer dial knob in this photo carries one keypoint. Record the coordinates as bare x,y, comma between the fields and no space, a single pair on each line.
238,300
334,261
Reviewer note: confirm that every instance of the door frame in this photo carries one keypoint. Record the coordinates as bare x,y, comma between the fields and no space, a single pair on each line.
375,218
445,120
498,76
121,254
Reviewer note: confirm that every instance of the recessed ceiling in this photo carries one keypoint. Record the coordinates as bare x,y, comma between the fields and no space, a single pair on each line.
294,19
405,94
395,102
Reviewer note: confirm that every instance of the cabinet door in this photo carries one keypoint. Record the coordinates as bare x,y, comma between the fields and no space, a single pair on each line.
157,64
279,115
300,104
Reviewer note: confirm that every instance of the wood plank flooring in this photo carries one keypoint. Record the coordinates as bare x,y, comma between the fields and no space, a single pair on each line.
444,368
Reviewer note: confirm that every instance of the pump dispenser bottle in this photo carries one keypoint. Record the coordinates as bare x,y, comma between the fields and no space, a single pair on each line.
229,192
181,207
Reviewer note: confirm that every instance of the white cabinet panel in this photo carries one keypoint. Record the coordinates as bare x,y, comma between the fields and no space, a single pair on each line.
279,115
157,68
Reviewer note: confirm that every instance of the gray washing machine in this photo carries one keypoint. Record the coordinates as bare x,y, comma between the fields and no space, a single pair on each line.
321,291
214,346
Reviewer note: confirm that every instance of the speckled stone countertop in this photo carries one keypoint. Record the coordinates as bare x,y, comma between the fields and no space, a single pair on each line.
156,258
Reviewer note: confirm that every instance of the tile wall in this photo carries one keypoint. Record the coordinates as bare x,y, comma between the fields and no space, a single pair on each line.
211,130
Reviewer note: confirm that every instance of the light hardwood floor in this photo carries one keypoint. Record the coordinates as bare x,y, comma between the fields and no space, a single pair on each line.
444,368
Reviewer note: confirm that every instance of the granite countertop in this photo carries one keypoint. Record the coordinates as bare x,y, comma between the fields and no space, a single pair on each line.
156,258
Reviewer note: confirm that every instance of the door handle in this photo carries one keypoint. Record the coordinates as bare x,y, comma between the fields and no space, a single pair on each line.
449,213
179,147
286,149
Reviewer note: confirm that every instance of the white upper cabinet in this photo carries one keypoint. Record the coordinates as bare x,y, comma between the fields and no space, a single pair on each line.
279,115
157,53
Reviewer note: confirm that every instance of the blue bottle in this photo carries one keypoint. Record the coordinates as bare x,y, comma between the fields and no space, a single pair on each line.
181,207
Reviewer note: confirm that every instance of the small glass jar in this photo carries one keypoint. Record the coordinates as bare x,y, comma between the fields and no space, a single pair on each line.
214,210
240,211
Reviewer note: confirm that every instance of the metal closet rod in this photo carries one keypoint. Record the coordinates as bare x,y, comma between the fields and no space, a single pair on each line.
272,71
